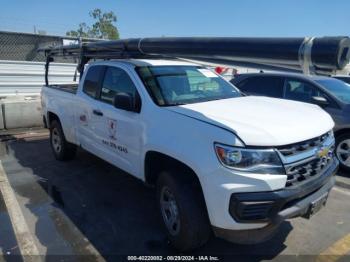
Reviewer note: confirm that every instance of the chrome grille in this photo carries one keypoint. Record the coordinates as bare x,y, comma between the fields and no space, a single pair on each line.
303,146
307,159
297,174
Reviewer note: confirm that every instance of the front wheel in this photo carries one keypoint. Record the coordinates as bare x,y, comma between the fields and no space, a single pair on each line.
343,151
62,149
183,210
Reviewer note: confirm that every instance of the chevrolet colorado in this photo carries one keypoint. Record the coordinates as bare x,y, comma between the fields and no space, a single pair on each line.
221,162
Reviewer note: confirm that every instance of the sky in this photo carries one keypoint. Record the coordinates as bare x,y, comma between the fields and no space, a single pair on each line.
142,18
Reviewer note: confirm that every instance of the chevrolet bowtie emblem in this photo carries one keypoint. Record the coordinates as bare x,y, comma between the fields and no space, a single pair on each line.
322,152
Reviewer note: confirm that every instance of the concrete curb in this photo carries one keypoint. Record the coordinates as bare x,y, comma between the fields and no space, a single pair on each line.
342,184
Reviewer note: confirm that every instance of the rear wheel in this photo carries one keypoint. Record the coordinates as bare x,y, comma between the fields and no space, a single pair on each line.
62,149
343,151
183,210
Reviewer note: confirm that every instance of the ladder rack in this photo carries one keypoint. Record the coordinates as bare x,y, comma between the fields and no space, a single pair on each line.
316,55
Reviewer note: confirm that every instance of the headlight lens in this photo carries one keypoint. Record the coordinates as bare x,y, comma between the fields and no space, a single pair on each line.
262,161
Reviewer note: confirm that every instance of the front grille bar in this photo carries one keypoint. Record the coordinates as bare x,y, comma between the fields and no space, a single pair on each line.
304,160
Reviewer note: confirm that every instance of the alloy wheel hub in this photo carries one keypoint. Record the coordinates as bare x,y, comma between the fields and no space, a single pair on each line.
343,152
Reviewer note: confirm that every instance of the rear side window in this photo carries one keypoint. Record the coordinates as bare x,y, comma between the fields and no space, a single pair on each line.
92,80
264,86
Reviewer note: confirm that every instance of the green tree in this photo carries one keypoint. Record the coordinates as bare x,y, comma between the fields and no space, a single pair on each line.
103,28
82,31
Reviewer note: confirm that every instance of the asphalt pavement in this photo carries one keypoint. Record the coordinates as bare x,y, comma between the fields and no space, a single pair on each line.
86,209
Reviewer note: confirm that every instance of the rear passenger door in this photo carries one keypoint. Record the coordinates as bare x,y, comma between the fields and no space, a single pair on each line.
271,86
87,113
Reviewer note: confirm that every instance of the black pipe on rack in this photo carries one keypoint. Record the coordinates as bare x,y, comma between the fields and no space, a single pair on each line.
318,54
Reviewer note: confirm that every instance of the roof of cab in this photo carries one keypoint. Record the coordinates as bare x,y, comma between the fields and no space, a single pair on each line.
156,62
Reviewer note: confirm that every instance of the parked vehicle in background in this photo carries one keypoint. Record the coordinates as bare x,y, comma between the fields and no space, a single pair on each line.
343,78
331,94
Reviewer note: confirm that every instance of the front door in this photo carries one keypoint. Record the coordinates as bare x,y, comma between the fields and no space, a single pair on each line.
302,91
119,132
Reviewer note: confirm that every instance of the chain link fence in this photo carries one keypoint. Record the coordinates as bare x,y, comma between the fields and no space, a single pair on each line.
23,46
22,68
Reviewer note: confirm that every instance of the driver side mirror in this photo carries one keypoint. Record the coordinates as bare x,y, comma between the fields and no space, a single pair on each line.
124,101
320,100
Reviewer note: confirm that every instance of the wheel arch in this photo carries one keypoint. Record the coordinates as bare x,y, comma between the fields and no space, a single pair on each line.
342,131
156,161
51,117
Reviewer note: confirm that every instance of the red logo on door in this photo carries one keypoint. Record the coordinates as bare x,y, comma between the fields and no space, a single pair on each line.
112,128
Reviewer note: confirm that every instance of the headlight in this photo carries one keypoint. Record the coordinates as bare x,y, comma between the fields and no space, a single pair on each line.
261,161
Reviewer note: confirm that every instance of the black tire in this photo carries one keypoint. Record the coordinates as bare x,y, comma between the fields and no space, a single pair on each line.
194,227
61,149
342,142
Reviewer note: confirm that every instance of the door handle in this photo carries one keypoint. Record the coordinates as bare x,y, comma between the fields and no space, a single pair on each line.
97,112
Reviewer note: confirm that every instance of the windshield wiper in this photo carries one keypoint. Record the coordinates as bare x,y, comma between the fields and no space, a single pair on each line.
174,104
177,104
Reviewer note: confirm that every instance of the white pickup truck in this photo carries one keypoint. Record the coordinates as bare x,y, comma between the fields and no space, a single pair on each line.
221,162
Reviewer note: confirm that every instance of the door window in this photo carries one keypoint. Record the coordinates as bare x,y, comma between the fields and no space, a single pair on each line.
92,80
116,81
266,86
300,91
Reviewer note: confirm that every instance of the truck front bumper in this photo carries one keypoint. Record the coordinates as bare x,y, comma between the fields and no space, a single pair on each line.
274,207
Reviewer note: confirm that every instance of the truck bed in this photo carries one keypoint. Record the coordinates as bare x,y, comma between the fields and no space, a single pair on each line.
70,88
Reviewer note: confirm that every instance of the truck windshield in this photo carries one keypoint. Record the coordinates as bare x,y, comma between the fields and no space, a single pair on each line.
178,85
338,88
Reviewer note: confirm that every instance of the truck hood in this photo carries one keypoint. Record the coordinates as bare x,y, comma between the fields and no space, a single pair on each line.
262,121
